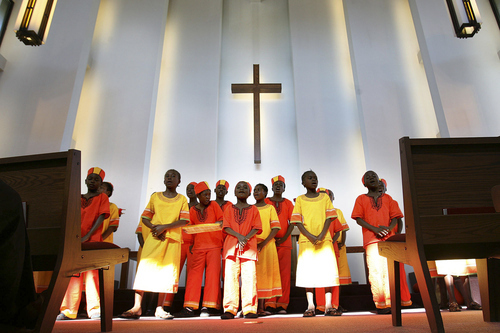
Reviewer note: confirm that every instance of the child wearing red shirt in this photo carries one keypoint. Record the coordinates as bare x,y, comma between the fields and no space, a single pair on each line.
206,255
94,210
377,213
241,224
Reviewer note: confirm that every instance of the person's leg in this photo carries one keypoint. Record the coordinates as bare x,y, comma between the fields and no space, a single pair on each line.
465,290
335,296
454,307
211,291
92,294
405,291
231,287
71,301
136,310
320,299
328,298
310,298
377,276
248,287
194,280
285,264
160,312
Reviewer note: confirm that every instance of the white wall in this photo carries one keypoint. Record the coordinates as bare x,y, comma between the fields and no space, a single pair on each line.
157,93
465,70
113,126
185,128
39,85
185,131
257,33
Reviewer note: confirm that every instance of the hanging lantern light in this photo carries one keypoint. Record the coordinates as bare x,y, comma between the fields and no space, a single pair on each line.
465,17
34,20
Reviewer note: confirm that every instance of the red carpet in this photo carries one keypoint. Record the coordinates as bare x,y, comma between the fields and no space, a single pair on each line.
413,321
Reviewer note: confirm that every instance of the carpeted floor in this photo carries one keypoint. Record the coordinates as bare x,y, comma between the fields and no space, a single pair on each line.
413,321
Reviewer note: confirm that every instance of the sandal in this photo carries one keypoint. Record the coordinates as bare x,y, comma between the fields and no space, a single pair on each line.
263,313
227,315
454,307
129,315
333,312
162,314
309,313
474,306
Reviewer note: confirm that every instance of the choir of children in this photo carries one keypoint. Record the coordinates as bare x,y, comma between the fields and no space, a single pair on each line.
243,241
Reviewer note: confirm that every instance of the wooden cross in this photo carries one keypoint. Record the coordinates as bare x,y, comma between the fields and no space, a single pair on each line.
256,88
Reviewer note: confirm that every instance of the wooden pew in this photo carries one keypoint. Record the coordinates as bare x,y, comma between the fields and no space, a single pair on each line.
49,184
438,174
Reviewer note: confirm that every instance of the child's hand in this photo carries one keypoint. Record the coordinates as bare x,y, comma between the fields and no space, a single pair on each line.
278,241
158,229
259,246
242,241
382,231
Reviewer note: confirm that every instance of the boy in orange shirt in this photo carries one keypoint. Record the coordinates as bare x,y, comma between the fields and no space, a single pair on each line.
220,191
377,213
241,224
206,256
94,210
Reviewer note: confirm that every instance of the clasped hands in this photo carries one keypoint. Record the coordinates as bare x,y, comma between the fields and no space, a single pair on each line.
382,231
158,231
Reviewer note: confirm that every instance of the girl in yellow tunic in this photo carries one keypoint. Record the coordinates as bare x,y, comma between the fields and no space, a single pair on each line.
268,270
158,269
316,265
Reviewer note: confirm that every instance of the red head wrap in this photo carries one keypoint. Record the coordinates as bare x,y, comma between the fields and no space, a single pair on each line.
223,182
200,187
277,179
98,171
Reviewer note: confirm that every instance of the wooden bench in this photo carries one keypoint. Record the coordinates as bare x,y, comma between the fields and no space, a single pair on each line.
49,184
447,173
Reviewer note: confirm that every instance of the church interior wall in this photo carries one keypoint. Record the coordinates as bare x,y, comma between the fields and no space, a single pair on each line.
156,92
39,84
118,103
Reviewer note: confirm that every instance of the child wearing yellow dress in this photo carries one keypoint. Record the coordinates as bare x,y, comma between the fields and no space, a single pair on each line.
316,265
158,269
268,270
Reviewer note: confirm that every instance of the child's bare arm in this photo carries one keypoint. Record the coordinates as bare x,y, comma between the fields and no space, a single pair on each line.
400,226
233,233
109,231
394,224
344,237
96,225
160,228
140,238
147,223
379,231
273,233
336,237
